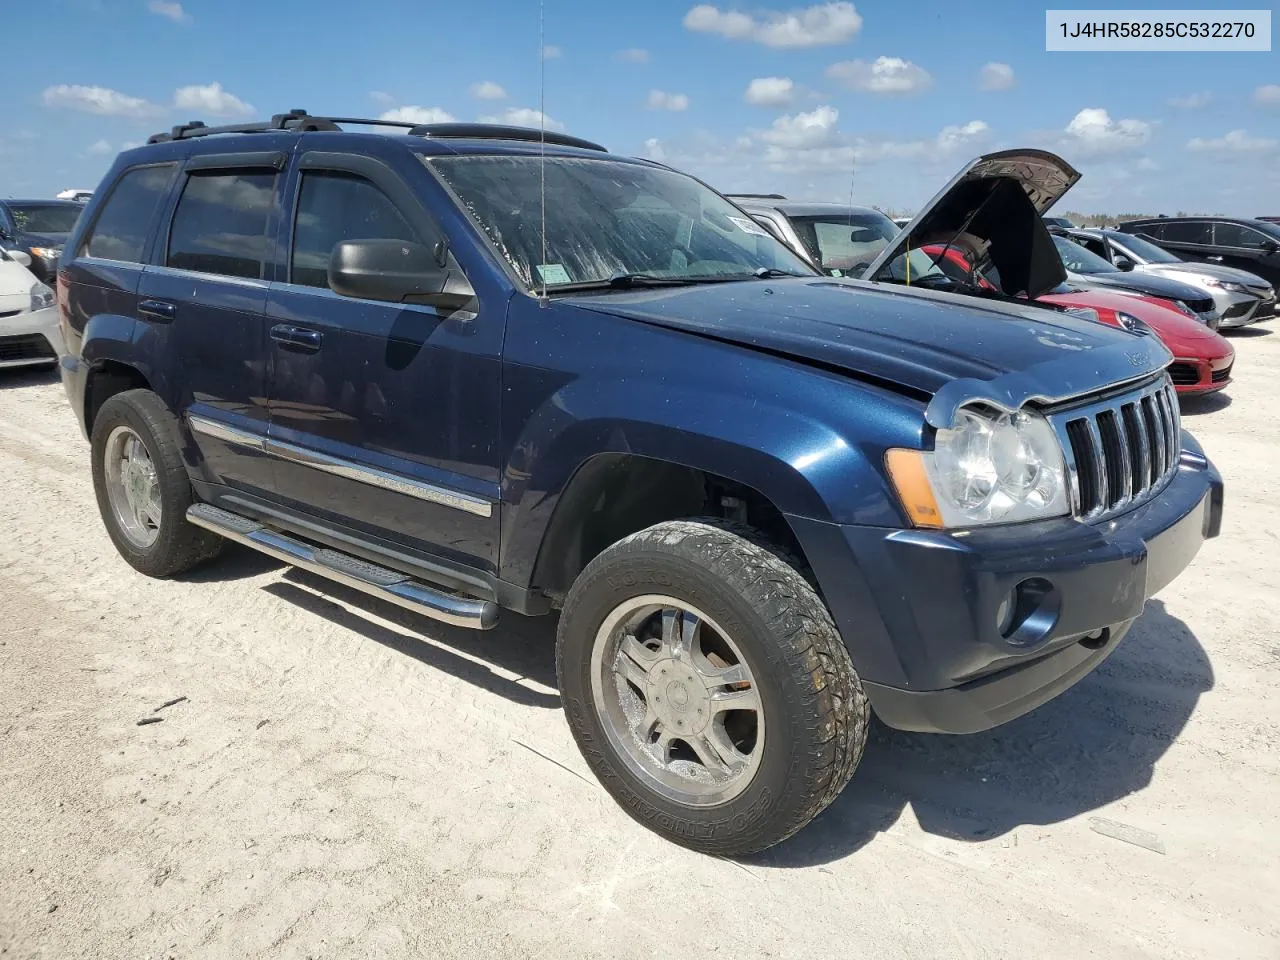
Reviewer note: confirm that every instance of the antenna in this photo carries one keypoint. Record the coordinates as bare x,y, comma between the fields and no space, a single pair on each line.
542,140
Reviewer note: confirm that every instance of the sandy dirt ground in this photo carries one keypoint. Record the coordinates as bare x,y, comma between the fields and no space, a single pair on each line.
344,780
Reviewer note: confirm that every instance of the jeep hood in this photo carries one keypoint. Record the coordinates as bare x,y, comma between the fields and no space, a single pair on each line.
997,199
920,341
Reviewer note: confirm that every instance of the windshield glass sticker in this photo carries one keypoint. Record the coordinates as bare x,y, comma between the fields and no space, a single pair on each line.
553,273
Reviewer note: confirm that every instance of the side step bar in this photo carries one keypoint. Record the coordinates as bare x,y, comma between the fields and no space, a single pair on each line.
348,570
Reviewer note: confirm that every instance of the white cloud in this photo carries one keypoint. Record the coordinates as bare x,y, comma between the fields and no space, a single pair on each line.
952,137
382,97
99,100
770,91
129,145
886,75
1268,94
210,99
813,129
995,76
823,24
488,90
660,100
654,150
1092,133
1192,101
634,55
523,117
550,52
417,115
173,11
100,148
1147,165
1237,141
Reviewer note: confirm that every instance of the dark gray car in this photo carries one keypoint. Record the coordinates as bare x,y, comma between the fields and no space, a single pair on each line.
1241,297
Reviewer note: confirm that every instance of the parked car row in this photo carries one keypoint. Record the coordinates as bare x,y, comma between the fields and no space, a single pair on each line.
38,228
979,238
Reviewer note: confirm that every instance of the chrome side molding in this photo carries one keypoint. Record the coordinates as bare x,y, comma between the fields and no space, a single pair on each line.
340,467
391,585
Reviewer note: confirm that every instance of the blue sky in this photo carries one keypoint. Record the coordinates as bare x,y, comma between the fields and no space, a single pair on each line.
884,98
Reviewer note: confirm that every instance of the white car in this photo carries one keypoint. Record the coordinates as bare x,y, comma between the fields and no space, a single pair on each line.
29,331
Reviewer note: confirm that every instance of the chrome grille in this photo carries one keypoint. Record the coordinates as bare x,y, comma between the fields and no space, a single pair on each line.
1120,451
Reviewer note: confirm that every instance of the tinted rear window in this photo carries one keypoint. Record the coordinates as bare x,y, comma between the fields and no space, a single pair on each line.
1190,232
121,230
45,217
220,226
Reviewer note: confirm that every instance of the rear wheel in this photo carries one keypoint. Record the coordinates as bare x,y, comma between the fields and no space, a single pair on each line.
142,486
707,686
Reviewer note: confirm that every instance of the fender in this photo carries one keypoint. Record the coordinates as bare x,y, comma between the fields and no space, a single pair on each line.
790,448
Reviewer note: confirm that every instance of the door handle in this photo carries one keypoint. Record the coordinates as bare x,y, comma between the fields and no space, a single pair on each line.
1214,259
297,338
160,311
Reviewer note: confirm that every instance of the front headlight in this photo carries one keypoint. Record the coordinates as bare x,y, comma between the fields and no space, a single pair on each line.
987,468
1133,324
41,297
1225,285
47,253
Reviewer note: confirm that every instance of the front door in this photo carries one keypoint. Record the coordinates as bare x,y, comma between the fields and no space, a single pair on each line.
384,417
206,294
1246,248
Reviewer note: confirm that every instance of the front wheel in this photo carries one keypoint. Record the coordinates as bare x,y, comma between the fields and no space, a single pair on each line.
707,686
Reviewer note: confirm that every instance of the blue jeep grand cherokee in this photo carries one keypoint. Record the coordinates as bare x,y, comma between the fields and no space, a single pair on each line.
764,501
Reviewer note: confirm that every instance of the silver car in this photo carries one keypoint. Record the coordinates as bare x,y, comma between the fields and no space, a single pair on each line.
1241,298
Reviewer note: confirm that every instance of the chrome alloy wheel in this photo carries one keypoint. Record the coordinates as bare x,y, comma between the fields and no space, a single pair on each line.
677,700
133,488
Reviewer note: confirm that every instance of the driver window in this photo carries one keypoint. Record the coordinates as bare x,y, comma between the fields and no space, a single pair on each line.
1237,235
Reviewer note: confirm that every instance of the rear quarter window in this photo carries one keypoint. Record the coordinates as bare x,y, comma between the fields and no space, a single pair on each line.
122,227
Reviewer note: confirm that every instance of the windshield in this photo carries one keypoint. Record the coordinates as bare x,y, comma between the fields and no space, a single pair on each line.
1079,260
1145,250
846,243
606,219
45,217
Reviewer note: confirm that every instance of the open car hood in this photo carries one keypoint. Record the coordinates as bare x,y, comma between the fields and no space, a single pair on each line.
993,206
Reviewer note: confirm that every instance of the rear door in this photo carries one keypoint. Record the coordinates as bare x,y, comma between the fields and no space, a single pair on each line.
384,417
1189,239
205,294
1247,248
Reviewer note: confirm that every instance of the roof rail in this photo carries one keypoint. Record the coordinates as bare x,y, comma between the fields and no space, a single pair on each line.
497,131
756,196
299,121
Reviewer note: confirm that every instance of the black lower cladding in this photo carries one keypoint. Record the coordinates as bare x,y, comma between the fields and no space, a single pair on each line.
983,625
30,346
1184,374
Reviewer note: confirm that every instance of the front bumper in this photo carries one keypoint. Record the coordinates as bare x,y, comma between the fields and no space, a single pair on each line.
1197,376
921,611
30,337
1242,309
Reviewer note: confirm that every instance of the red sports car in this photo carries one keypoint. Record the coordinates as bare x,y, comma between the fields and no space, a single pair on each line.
1202,357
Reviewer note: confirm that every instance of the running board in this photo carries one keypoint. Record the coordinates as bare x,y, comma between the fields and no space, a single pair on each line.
350,571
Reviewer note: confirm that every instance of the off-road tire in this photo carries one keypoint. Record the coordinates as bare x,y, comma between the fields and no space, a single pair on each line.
817,713
179,546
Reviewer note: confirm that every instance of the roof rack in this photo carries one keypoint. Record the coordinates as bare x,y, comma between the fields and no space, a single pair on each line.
756,196
299,121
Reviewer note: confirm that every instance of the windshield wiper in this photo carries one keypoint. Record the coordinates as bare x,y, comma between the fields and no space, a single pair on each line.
769,273
628,281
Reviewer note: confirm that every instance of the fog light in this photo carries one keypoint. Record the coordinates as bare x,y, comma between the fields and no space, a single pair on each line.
1030,612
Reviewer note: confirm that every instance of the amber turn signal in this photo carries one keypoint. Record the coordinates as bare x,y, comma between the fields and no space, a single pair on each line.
907,473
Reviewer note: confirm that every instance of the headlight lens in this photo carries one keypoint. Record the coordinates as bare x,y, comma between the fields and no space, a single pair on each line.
47,253
985,469
1133,324
41,297
1225,285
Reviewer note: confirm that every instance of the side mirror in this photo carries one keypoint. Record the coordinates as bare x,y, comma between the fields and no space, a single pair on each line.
20,257
395,271
1270,246
1123,263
